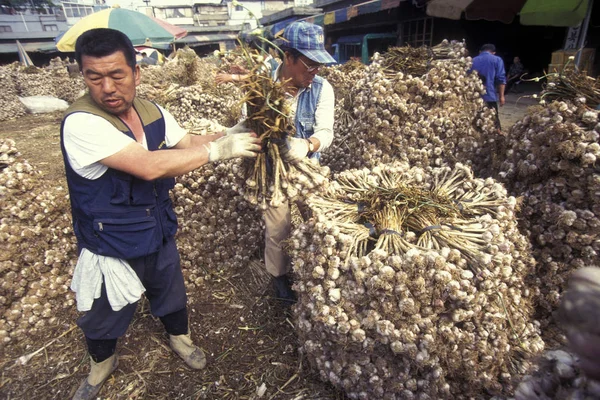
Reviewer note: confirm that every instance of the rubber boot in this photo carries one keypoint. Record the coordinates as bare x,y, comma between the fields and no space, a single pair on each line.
188,351
283,289
90,386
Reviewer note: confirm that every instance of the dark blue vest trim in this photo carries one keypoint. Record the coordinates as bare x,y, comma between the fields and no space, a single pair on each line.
119,215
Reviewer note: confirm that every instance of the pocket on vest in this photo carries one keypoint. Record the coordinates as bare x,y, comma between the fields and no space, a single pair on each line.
127,237
121,184
308,127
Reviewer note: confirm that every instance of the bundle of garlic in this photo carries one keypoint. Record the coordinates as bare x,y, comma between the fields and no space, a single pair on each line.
52,80
271,177
191,104
342,78
571,373
10,106
185,86
557,375
217,228
429,119
39,249
570,84
550,161
410,285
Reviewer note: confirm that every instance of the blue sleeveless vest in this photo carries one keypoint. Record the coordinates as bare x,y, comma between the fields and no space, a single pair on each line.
119,215
305,112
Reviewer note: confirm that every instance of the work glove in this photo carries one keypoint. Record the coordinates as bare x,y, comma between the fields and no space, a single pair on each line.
240,127
296,150
232,146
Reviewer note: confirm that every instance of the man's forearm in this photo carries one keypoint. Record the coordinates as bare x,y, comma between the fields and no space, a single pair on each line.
501,90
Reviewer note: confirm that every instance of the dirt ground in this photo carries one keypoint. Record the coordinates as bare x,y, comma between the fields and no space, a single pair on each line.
247,335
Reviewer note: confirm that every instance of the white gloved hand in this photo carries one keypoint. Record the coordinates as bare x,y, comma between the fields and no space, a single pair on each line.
232,146
240,127
298,149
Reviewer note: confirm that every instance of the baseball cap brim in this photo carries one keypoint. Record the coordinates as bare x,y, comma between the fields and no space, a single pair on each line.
318,56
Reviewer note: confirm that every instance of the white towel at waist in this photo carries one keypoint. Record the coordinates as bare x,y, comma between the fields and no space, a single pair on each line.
122,284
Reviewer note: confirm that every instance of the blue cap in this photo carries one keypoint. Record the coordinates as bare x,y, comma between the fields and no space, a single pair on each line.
309,40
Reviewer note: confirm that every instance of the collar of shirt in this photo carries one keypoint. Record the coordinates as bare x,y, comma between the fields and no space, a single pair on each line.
276,75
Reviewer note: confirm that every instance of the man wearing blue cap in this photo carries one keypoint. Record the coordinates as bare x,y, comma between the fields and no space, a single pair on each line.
311,102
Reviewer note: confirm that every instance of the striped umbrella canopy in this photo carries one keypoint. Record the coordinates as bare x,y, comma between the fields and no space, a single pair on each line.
139,28
531,12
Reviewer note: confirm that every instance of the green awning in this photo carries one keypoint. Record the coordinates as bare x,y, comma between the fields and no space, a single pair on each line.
554,12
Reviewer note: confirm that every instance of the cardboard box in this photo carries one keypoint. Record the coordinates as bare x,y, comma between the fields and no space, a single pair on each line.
561,57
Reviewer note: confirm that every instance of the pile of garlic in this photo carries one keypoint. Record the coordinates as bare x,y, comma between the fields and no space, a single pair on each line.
571,373
218,229
185,86
557,376
39,249
551,162
10,106
52,80
384,314
430,120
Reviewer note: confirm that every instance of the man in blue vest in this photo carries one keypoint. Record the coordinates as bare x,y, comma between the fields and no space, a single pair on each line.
490,68
311,101
121,155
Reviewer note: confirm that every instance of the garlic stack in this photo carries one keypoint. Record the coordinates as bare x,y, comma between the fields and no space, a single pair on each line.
38,249
427,120
218,229
10,106
551,162
411,285
185,86
557,375
52,80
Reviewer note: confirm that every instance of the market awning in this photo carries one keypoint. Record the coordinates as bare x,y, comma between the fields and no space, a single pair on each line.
532,12
30,47
347,13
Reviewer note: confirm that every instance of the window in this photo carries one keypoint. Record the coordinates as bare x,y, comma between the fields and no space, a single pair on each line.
417,32
51,28
239,8
5,28
181,12
74,10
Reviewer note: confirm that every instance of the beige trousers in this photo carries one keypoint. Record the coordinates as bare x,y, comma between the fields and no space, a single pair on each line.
278,222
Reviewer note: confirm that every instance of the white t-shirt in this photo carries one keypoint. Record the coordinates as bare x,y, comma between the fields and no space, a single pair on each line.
89,138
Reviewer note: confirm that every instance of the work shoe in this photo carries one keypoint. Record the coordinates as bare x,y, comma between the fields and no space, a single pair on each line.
283,289
89,388
188,351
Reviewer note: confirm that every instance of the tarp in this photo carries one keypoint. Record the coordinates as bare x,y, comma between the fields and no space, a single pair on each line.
554,12
451,9
504,11
532,12
23,56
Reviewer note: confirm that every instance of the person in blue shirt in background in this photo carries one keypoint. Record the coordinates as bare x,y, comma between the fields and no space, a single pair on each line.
491,71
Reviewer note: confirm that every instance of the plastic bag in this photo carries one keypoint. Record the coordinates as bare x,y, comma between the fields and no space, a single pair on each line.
43,104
